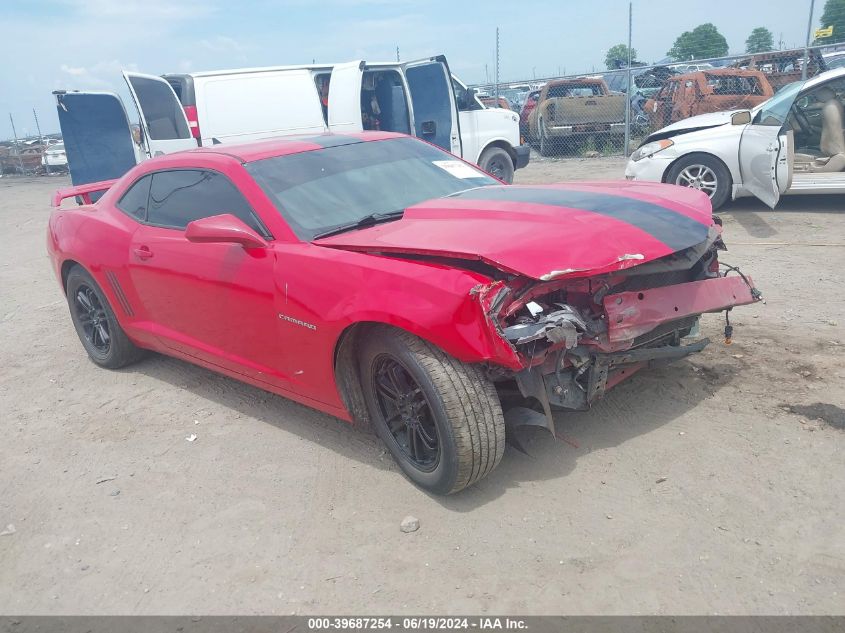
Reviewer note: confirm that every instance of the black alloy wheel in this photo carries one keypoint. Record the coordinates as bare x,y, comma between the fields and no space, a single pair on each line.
407,412
93,319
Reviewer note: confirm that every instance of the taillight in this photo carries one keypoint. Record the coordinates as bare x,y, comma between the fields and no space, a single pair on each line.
193,121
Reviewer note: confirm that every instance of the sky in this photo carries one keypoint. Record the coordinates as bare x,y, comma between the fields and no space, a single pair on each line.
84,44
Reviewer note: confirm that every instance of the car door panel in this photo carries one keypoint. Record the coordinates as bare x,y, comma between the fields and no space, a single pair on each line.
212,301
763,152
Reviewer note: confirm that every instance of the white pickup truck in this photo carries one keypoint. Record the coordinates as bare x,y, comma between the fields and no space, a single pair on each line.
420,98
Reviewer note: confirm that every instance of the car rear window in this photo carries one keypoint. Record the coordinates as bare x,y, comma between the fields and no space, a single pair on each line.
733,84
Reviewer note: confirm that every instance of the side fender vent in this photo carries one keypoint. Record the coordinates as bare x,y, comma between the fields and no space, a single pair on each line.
118,292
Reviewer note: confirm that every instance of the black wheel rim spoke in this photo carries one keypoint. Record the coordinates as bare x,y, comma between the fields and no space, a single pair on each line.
406,412
92,319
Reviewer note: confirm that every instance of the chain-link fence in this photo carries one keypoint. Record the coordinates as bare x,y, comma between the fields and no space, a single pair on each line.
585,115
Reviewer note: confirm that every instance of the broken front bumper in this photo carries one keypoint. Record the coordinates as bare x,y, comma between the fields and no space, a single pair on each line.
631,314
644,328
576,388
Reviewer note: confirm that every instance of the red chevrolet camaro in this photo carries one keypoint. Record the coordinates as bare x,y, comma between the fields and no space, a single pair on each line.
382,280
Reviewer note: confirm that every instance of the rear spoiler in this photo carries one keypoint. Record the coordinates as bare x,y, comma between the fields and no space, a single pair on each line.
83,191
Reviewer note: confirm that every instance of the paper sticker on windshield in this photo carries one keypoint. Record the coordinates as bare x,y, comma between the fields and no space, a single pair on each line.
457,168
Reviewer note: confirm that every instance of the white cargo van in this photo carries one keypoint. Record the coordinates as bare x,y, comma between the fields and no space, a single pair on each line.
420,98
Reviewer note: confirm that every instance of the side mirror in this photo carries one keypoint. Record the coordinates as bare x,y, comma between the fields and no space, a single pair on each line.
741,118
225,228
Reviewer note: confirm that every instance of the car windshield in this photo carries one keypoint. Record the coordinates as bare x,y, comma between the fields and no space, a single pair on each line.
322,190
58,147
774,110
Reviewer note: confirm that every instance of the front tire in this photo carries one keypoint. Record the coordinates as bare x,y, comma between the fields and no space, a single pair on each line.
440,418
705,173
95,323
497,162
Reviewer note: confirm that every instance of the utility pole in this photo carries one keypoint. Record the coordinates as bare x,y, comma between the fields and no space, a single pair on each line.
17,147
397,53
486,74
807,42
497,66
628,91
38,127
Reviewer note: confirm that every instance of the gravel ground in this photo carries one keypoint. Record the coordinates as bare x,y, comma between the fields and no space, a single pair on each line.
712,486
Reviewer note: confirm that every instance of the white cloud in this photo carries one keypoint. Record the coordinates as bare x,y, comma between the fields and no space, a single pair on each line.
142,10
221,43
73,70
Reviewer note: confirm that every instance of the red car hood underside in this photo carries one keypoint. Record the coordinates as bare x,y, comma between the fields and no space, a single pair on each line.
545,232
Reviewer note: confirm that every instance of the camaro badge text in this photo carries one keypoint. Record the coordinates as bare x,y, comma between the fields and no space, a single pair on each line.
285,317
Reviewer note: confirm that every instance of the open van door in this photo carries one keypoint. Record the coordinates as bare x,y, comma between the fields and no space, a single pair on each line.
96,134
433,102
345,97
163,120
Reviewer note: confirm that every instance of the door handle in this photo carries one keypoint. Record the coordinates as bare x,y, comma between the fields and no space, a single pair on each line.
143,252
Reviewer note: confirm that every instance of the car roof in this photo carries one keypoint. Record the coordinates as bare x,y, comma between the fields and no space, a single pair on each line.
728,72
286,145
589,79
825,76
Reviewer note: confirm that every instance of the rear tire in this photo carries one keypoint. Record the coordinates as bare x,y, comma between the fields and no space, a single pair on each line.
703,172
498,163
449,408
96,324
545,143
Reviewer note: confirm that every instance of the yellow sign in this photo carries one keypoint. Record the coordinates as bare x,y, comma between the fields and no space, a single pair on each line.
825,32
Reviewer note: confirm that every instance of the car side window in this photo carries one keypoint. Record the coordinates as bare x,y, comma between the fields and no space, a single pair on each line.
180,196
134,201
463,98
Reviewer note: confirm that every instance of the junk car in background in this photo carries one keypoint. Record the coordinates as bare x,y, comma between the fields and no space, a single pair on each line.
691,94
570,110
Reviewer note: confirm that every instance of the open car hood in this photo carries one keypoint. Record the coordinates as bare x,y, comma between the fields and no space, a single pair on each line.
711,119
692,124
545,232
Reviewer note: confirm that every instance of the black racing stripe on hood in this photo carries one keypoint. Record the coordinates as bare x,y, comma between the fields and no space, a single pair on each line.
670,227
329,140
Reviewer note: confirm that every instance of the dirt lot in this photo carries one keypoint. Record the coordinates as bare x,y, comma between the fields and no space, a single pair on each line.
708,487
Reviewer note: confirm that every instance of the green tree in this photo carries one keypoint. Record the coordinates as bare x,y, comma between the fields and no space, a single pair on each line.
616,54
833,15
702,42
760,41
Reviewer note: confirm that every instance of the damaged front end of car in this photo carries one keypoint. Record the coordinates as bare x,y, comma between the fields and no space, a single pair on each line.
577,335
